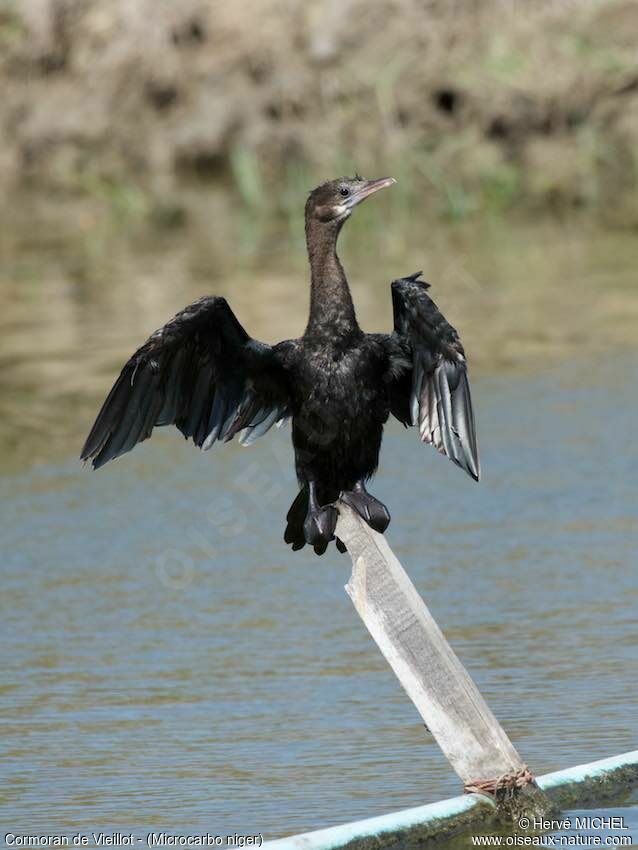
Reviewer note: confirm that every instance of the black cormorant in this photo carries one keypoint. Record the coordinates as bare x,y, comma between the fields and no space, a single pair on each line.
338,385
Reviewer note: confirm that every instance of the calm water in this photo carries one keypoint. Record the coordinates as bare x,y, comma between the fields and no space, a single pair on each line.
167,661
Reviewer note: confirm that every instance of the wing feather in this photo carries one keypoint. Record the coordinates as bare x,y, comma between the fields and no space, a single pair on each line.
200,372
440,402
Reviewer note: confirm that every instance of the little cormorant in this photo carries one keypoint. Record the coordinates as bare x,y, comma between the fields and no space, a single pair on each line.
205,374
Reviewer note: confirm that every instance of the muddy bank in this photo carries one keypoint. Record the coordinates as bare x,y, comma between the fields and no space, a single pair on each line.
480,103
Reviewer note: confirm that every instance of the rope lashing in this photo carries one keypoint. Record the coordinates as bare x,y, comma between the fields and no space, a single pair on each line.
502,786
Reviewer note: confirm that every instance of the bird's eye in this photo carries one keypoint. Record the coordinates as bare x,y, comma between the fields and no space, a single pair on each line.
344,191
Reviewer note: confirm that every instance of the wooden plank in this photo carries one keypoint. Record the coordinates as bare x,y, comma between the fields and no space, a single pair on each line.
435,680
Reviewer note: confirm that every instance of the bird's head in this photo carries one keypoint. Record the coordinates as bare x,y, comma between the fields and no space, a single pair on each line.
334,201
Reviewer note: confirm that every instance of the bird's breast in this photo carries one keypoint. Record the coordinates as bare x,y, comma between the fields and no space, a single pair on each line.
342,383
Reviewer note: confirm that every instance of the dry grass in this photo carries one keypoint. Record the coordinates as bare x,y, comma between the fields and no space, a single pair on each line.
482,102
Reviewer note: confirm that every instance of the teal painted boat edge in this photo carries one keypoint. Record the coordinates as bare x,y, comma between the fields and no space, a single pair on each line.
603,777
588,771
445,817
592,781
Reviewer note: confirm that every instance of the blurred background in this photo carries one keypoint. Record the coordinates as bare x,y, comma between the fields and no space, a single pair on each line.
153,151
162,666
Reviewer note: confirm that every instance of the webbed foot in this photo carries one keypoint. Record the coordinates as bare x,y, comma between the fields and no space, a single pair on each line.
319,524
319,527
369,509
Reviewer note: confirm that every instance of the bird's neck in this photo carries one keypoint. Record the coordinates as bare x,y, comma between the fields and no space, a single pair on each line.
331,309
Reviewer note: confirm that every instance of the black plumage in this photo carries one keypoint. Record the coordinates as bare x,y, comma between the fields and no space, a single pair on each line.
203,373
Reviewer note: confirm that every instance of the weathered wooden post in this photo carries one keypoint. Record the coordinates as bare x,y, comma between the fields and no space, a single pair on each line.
435,680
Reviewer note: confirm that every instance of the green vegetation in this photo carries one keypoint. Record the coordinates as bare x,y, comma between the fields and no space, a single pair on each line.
11,27
489,107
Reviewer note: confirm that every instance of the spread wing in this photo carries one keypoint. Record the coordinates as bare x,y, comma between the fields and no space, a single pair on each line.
435,393
200,372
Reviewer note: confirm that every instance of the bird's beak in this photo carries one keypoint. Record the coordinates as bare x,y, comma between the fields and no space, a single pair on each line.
367,188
